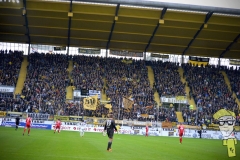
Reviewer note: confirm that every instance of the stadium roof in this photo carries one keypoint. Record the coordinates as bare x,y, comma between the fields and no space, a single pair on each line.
121,27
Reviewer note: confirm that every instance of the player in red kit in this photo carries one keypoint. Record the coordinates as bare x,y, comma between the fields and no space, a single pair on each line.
181,132
58,126
28,125
146,131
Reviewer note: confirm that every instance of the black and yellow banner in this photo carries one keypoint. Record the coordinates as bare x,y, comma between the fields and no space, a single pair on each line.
181,98
75,118
127,103
68,118
91,103
2,114
109,107
62,118
198,61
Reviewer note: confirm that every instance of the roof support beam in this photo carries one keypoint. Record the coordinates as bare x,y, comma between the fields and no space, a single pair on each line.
229,46
208,16
156,28
24,13
113,25
69,26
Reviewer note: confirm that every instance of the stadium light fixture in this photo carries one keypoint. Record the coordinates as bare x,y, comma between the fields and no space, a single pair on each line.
132,6
228,15
188,11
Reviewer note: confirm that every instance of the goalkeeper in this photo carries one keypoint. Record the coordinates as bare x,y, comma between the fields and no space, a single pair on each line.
110,127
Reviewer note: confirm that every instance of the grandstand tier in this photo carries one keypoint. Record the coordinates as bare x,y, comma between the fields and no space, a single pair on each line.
187,89
22,76
230,88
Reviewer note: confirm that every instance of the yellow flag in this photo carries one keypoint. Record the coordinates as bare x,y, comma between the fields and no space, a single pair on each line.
127,103
109,106
90,103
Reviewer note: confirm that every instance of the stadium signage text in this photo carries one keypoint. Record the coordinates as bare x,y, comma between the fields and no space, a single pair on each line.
159,56
173,100
77,93
94,92
126,53
6,89
199,59
63,48
234,62
89,51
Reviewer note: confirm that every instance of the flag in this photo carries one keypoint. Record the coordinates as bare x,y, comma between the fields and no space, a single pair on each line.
127,103
91,103
149,107
109,106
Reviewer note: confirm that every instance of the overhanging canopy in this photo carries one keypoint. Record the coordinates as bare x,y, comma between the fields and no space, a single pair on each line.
91,26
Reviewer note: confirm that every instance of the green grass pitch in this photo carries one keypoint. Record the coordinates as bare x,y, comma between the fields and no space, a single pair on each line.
45,145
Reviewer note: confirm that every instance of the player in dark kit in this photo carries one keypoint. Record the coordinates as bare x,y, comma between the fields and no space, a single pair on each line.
110,127
17,122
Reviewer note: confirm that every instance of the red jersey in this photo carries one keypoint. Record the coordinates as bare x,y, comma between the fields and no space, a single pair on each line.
146,128
181,129
58,123
28,121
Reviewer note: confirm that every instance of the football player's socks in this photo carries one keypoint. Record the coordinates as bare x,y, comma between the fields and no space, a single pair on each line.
109,145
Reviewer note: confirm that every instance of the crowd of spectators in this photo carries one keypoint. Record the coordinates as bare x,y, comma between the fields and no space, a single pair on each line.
209,90
44,90
129,79
88,72
10,64
234,77
167,79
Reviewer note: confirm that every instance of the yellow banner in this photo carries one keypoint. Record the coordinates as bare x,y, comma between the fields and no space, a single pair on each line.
24,115
197,63
181,98
90,103
2,113
127,103
144,115
75,118
17,113
62,118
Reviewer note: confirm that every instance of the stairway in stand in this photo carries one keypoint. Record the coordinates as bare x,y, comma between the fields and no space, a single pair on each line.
179,116
151,80
69,89
226,79
103,94
22,76
187,89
